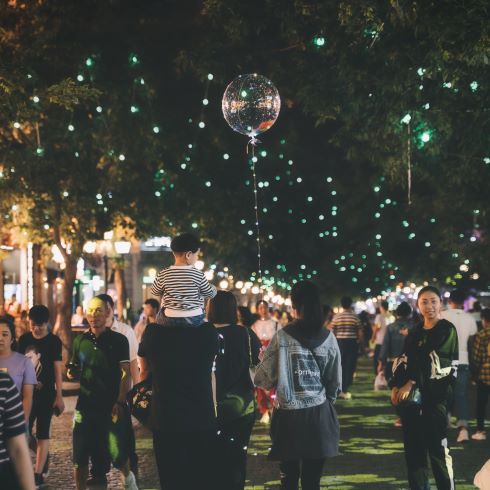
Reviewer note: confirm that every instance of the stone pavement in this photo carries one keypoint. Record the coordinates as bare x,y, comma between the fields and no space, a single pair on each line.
371,449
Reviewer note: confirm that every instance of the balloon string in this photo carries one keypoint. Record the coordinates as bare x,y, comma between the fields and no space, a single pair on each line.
253,142
409,164
256,206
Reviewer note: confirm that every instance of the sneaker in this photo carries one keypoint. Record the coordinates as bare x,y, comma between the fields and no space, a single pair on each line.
398,423
97,481
130,482
345,395
463,435
265,419
479,435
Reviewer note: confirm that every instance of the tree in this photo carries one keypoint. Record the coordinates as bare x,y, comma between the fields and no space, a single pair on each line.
357,71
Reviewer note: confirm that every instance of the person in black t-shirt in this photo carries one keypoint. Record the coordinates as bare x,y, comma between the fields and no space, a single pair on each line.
234,390
102,358
183,416
44,350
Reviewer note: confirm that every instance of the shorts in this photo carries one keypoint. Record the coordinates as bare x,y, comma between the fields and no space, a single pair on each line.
96,436
41,413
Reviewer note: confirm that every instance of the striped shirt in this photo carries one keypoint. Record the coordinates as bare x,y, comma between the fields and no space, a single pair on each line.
182,290
11,414
346,325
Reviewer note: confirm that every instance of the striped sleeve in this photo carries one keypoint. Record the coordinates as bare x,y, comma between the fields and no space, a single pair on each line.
207,289
157,288
13,417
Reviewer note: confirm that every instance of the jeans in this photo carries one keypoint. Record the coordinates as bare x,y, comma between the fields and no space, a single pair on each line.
348,357
425,436
482,393
310,471
461,405
181,321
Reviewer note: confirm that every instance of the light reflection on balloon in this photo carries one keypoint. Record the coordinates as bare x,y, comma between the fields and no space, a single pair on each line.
251,104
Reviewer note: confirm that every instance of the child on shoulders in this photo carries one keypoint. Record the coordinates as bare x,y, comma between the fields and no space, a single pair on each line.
181,287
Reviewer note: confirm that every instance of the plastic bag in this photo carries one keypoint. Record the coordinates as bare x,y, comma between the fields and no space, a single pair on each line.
380,382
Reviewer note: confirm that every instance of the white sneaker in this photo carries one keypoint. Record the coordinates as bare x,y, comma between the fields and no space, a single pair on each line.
479,435
463,435
130,482
265,419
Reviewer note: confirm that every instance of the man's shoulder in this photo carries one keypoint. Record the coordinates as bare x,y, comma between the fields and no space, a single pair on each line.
26,337
121,327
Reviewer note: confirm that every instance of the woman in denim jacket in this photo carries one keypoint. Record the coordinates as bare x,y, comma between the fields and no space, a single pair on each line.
302,362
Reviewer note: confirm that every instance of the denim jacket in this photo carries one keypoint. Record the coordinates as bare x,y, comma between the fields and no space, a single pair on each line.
304,372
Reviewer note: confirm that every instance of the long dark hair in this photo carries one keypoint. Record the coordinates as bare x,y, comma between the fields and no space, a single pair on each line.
305,298
222,308
5,320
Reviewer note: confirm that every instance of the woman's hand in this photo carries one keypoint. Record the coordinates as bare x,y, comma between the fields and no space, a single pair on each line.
402,393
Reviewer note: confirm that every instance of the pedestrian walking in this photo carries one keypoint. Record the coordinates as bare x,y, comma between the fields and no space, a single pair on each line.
101,357
302,362
182,417
123,428
44,350
149,315
466,327
18,366
431,350
394,339
265,327
15,463
481,363
234,390
348,330
381,321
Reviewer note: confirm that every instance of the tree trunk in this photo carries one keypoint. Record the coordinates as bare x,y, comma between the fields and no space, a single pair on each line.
121,291
63,320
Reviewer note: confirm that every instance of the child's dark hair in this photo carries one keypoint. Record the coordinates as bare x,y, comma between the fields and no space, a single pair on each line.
305,298
186,242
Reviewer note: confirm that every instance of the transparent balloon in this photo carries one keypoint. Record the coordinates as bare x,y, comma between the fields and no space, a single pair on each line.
251,104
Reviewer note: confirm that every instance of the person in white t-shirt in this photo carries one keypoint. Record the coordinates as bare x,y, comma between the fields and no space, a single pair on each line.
381,321
466,327
265,328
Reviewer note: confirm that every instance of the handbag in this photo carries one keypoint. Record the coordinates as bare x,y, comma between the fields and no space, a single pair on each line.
399,379
139,400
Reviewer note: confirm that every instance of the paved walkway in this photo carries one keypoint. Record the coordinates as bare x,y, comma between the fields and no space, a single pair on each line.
371,449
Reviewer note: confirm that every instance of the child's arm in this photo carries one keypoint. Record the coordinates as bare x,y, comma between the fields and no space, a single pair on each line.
206,289
158,287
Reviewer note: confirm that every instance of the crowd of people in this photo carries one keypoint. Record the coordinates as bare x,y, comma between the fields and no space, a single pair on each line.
210,372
